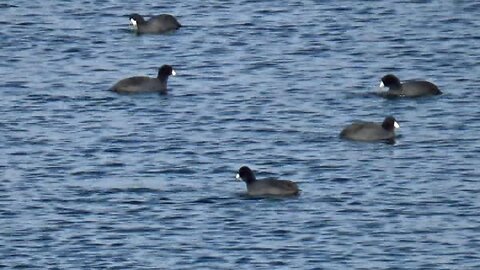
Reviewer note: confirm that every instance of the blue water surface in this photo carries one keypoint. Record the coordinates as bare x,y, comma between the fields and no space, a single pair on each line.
95,180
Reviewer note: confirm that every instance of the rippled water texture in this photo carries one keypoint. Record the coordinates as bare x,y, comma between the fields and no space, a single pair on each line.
95,180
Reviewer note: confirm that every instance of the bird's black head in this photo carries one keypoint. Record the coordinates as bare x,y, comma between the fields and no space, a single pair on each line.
136,19
165,71
390,123
245,174
390,81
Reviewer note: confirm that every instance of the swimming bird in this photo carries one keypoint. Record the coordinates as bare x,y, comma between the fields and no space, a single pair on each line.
264,187
411,88
142,84
155,25
369,131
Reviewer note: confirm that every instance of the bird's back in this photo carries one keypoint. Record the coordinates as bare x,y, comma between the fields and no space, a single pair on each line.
161,23
273,187
138,84
416,88
365,131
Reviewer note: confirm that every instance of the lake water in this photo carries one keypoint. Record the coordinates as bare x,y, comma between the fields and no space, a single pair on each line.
95,180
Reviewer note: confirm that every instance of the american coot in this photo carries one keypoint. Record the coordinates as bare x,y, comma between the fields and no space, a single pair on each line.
142,84
411,88
267,186
368,131
156,24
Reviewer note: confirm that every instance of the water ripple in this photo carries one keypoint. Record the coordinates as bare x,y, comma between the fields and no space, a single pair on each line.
94,180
